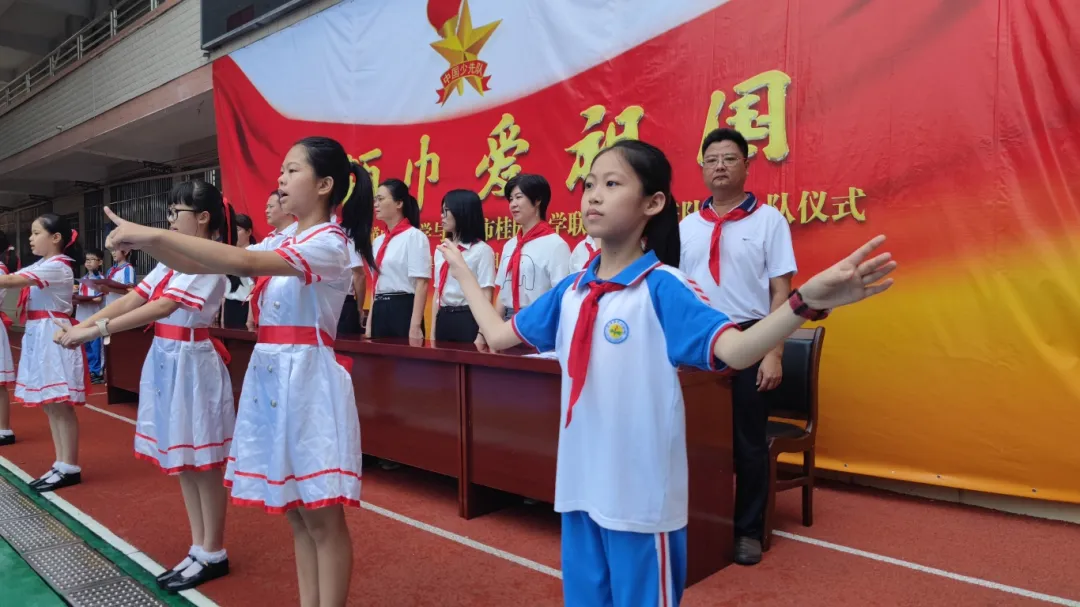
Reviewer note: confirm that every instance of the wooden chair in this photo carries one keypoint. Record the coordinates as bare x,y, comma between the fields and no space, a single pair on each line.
796,399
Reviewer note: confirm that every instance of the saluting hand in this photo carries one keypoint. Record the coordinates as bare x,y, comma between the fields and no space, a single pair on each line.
126,234
458,268
850,280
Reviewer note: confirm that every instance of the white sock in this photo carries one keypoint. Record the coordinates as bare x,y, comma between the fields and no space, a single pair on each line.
67,468
195,567
215,557
50,471
184,564
52,478
7,432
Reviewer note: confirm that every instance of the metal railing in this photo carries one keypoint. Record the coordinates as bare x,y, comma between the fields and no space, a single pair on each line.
96,33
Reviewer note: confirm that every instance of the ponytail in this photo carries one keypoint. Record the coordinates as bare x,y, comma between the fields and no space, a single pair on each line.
8,256
358,214
410,208
232,224
661,233
55,224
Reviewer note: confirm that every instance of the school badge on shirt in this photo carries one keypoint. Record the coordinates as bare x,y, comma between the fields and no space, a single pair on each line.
616,331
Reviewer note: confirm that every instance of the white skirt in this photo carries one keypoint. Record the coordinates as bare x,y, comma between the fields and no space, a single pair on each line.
49,373
186,414
297,440
7,364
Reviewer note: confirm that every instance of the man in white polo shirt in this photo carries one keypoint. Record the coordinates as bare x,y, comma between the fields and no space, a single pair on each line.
739,252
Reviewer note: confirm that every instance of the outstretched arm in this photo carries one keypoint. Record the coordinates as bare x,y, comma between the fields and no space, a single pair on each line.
499,333
194,255
14,281
848,281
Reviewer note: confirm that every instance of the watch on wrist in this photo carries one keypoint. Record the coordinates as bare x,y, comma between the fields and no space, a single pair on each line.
799,307
103,327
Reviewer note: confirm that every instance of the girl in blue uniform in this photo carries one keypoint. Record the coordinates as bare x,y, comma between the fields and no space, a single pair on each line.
620,327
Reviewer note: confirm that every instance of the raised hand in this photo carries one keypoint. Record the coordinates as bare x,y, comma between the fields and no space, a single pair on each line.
850,280
453,257
126,234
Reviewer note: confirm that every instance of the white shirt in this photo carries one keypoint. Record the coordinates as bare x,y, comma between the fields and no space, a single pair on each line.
752,250
622,458
581,254
408,256
199,296
86,310
316,298
544,262
123,273
480,258
51,280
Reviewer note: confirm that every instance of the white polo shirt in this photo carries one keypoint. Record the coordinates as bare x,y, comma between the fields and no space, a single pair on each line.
480,258
752,250
274,239
544,262
622,459
408,256
581,254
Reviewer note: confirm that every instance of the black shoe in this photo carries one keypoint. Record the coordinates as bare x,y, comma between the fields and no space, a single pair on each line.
747,551
7,440
37,481
65,480
169,574
210,571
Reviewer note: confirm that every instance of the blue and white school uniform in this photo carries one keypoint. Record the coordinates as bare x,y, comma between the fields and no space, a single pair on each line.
297,439
84,311
621,478
186,414
7,364
123,273
48,372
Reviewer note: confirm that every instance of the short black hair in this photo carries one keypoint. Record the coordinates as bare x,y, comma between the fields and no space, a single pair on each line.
725,134
534,187
243,221
96,253
468,212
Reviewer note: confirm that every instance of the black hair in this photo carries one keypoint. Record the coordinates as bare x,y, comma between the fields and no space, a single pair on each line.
400,193
726,134
95,252
328,159
55,224
534,187
204,197
243,221
468,212
8,256
661,234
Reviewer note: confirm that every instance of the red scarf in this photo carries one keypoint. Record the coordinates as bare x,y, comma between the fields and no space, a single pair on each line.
709,214
581,344
444,274
24,293
593,253
113,271
539,230
373,277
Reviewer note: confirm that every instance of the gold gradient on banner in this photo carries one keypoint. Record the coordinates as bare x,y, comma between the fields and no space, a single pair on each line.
966,374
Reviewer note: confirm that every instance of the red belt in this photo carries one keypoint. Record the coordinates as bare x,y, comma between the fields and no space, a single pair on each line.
301,336
189,334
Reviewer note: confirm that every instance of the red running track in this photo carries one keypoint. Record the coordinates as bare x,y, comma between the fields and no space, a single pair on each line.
399,564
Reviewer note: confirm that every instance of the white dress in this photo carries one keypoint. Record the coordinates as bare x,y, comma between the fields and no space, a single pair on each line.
186,413
297,439
7,364
49,373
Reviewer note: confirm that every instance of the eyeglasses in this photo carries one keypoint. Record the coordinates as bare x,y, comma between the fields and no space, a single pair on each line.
729,161
173,213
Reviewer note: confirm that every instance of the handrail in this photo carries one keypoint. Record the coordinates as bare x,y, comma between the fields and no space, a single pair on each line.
96,33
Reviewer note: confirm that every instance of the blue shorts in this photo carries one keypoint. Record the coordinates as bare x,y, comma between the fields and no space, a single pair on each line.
604,568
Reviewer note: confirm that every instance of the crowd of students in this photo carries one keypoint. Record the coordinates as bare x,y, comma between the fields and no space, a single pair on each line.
617,312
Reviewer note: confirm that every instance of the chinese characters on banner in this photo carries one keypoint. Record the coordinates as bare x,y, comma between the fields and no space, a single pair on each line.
757,110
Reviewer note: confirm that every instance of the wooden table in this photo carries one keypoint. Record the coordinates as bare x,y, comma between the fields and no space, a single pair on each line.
491,421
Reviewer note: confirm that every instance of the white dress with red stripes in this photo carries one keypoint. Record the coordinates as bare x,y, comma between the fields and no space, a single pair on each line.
186,413
297,440
7,364
49,373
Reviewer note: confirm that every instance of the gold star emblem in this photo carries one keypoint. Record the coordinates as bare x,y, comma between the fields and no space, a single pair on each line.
462,42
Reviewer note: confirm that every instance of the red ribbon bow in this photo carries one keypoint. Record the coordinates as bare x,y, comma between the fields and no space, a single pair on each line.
581,345
709,214
539,230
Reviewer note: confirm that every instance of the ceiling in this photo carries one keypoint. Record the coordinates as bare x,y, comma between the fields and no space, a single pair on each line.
30,29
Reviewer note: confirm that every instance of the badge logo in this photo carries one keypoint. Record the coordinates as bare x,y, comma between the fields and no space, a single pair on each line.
616,331
460,46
